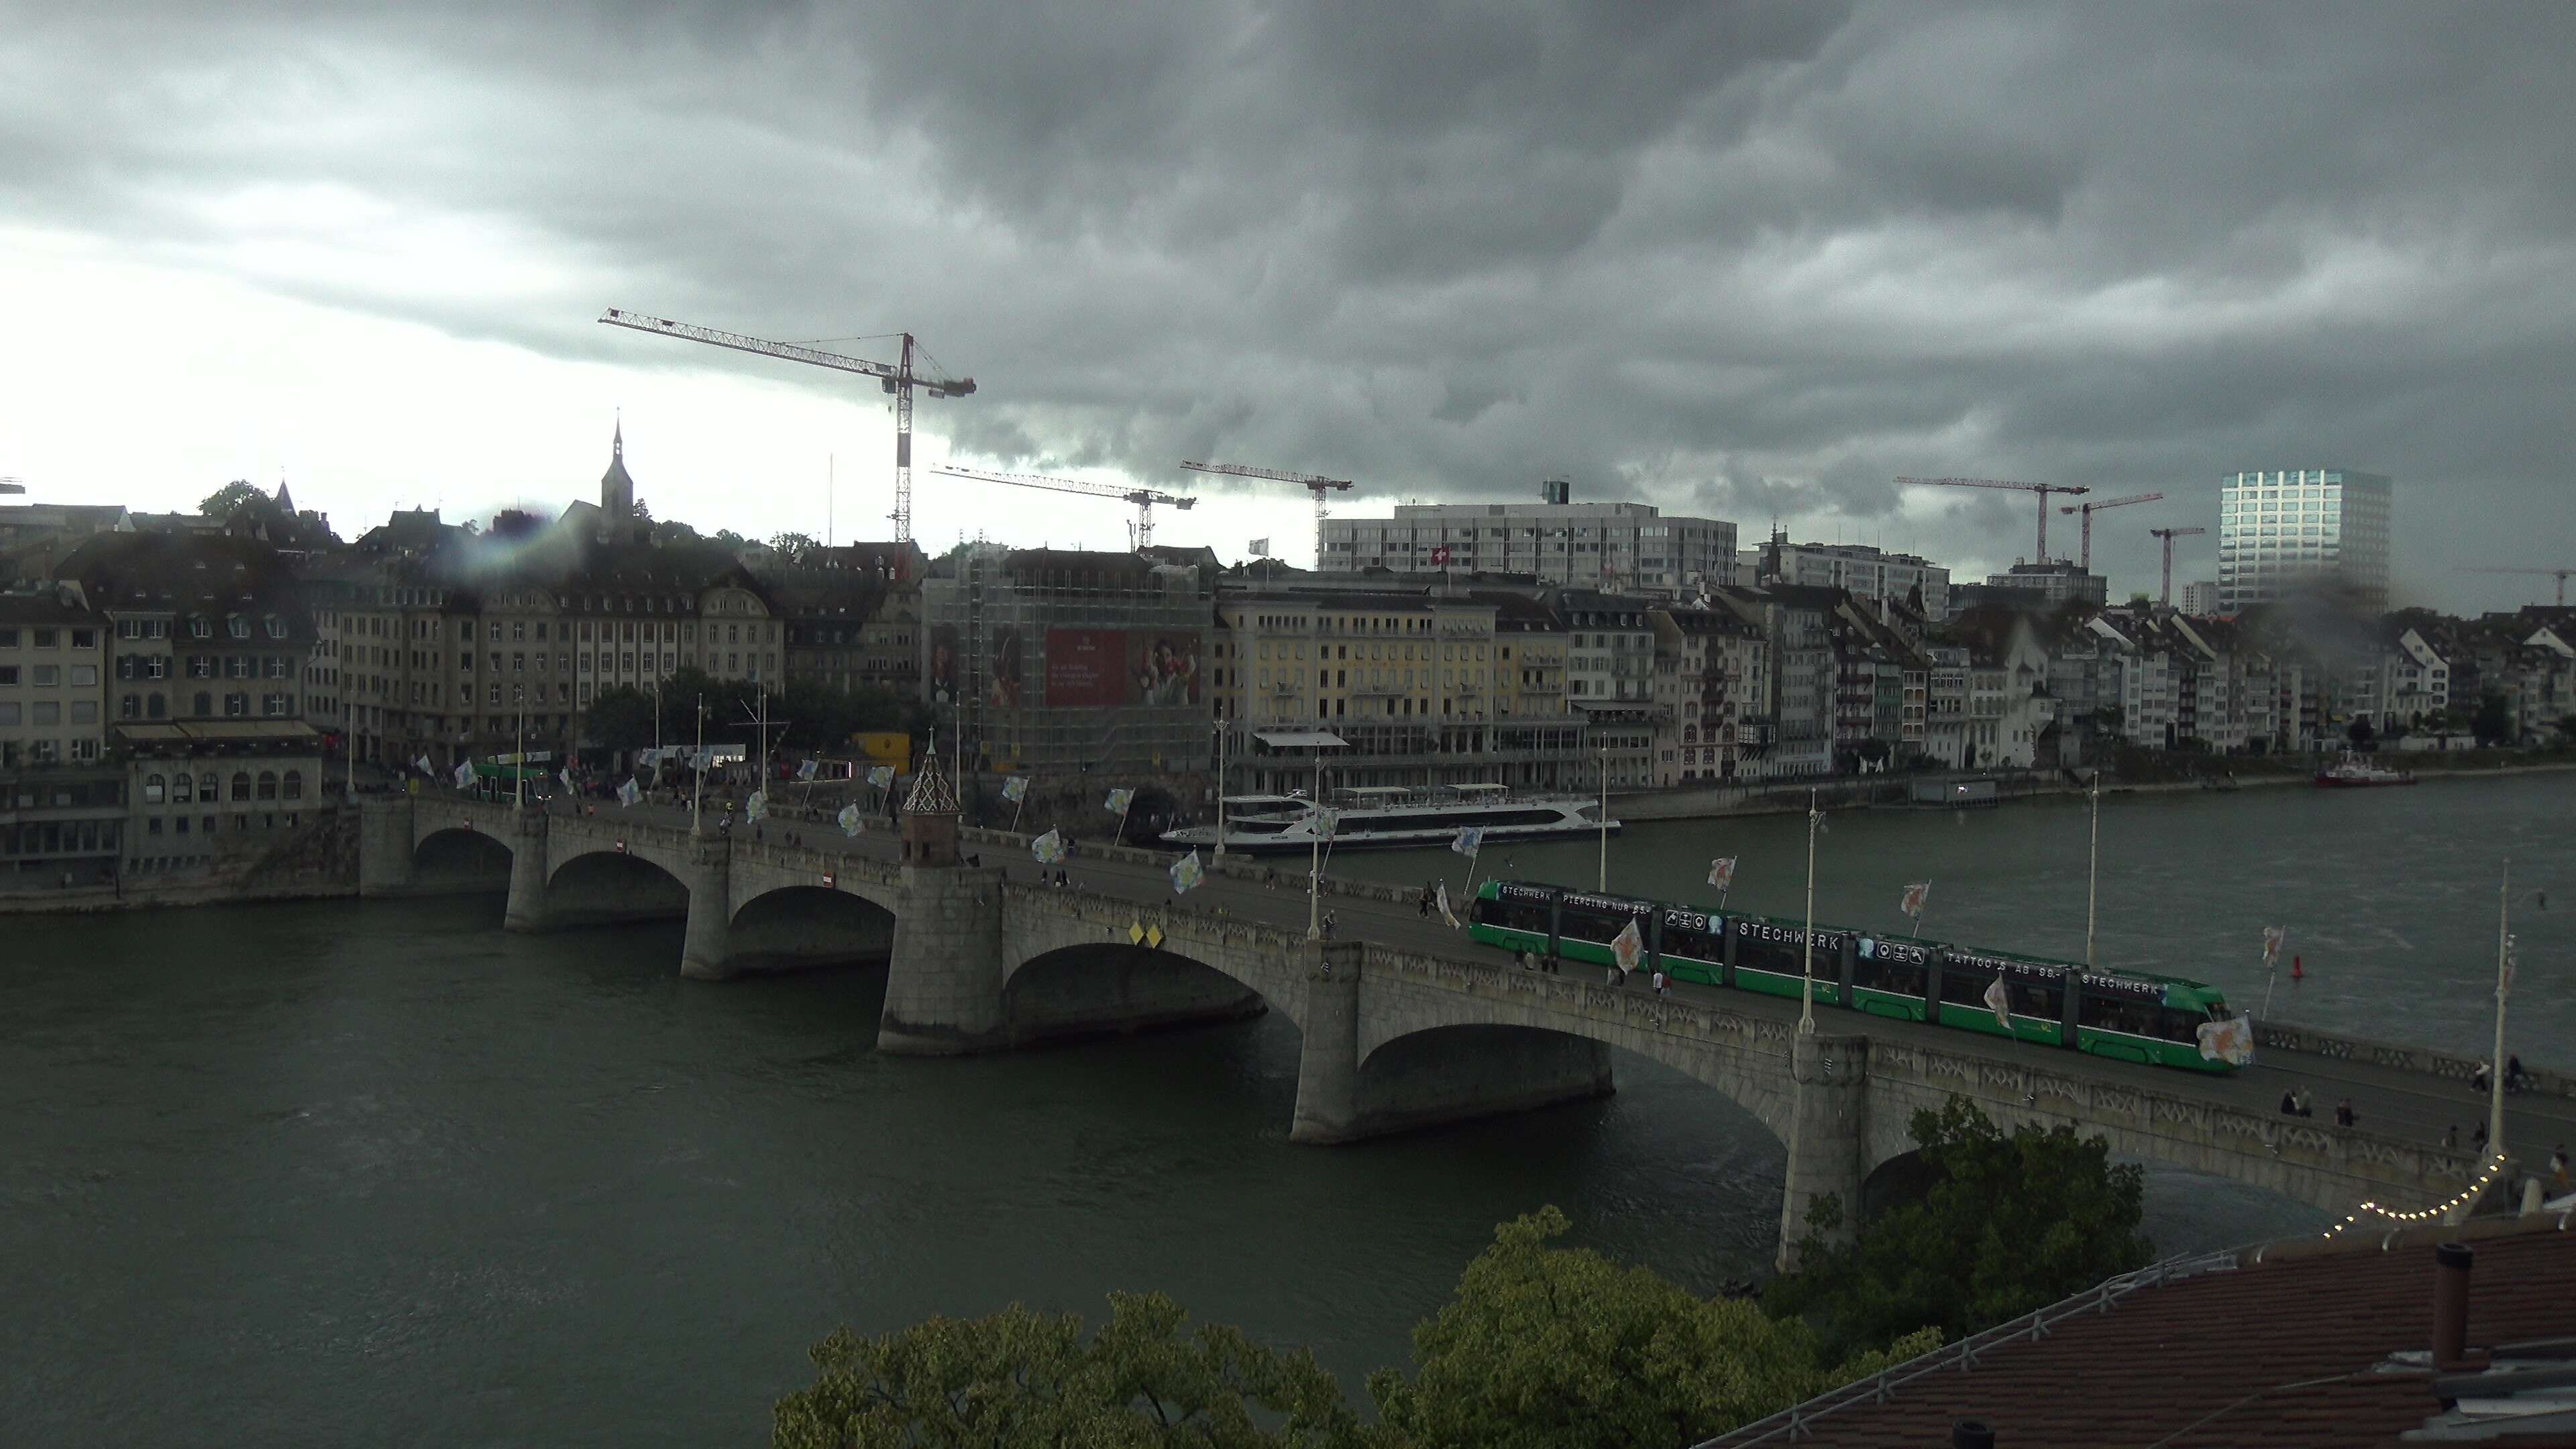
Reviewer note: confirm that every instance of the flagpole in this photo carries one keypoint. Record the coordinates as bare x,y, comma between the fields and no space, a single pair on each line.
1603,883
1924,911
1315,863
1221,733
2093,870
1017,806
698,788
2504,949
1807,945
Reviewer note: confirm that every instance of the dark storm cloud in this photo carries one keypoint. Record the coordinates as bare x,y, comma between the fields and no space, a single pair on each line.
1751,258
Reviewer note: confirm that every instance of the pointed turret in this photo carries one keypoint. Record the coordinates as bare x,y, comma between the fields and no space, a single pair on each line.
285,500
930,816
616,490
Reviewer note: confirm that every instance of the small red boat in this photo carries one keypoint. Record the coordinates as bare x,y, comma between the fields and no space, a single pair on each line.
2355,772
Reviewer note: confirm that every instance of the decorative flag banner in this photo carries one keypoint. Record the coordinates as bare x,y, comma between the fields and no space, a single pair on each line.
1628,947
852,822
881,776
1326,822
2230,1041
1119,800
1469,841
464,772
629,792
2273,936
1187,873
424,766
1447,914
1915,895
1016,789
1721,873
757,806
1260,548
2000,1002
806,770
1048,848
565,775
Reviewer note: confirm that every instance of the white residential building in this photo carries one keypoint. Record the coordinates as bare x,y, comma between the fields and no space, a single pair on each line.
1615,547
1855,568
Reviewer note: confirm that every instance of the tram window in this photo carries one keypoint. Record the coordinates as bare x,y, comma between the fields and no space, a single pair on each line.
1964,985
1697,945
1581,923
1754,954
2038,998
2175,1024
1513,915
1878,974
2133,1015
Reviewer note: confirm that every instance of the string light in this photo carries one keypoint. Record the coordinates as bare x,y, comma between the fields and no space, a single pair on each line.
2494,1165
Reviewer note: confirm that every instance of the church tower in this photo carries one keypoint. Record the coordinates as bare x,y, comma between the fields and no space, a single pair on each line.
616,490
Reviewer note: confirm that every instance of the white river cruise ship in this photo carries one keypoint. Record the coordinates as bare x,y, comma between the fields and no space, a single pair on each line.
1395,815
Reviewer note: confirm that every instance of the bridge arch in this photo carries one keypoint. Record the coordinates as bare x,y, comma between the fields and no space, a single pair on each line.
1442,1074
808,924
607,885
453,858
1091,988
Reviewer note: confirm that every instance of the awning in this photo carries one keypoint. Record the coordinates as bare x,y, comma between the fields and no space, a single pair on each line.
1301,739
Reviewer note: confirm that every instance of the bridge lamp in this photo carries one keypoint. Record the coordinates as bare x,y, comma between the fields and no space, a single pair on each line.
1318,741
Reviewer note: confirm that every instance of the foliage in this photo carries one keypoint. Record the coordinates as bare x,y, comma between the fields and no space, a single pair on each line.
1550,1346
2493,723
824,717
2011,1223
2360,733
2567,727
620,718
795,547
230,499
817,716
1021,1377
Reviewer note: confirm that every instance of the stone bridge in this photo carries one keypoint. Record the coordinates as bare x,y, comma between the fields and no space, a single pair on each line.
1392,1037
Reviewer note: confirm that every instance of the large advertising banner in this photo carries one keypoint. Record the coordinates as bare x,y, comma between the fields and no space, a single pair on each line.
943,663
1107,668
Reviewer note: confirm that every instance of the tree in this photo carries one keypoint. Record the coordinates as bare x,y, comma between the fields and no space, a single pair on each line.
1021,1377
2493,723
2360,733
1552,1346
620,718
793,547
230,499
2010,1223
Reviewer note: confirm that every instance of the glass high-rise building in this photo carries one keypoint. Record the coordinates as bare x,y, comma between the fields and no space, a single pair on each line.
2282,530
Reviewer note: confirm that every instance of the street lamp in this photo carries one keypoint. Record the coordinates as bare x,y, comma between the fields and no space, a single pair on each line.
1221,732
2093,871
1318,741
2504,982
1807,959
1601,882
519,767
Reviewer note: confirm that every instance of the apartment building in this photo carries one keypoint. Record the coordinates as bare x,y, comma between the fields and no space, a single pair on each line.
1858,569
1615,547
1710,673
61,804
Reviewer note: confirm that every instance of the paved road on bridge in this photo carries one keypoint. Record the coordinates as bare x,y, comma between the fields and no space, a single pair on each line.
2385,1099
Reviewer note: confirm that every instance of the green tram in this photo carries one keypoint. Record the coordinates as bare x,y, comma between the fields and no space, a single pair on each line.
2128,1015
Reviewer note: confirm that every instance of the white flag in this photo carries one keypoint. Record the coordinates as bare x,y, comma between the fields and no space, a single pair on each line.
1118,801
2273,936
852,822
1048,848
2000,1001
424,766
1260,548
1628,947
2230,1041
1326,822
1469,841
1187,872
629,792
1721,873
807,769
464,773
1915,895
881,776
757,806
1447,914
565,775
1015,789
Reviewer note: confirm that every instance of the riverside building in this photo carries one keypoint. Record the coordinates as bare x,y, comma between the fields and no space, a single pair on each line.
1615,547
2283,530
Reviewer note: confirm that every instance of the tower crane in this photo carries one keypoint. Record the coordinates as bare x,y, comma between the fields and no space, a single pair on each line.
898,378
2089,509
2559,574
1143,498
2169,535
2042,489
1319,486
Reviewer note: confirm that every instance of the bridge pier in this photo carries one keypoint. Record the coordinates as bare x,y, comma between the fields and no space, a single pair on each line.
944,982
1328,1058
527,908
1828,1135
384,845
709,876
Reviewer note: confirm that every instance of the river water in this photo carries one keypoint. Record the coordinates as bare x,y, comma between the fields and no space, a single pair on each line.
329,1172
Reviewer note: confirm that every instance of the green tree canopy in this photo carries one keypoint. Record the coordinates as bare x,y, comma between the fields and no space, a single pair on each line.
620,718
230,499
1547,1347
1147,1379
2493,723
2011,1223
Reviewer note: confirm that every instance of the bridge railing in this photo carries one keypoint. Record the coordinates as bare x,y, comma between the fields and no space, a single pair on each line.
2282,1036
1798,1420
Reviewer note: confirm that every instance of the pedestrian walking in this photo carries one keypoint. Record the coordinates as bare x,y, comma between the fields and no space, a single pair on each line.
2478,1139
2558,1169
1659,981
2344,1115
1423,901
2451,1137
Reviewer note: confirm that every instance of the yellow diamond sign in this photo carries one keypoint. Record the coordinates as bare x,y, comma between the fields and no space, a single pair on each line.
1154,936
1135,934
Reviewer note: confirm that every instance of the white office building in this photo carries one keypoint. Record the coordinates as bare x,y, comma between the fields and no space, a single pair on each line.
2279,531
1855,568
2200,599
1614,547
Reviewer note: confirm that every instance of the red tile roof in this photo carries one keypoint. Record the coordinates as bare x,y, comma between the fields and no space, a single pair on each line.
2292,1350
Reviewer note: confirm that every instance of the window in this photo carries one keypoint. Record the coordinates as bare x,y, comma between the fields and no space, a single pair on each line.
200,627
205,704
155,787
276,627
48,675
237,627
182,789
237,706
209,790
268,784
84,711
47,712
241,784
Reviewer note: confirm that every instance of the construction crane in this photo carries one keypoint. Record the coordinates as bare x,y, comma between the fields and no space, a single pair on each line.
898,378
2559,574
2085,557
2169,535
1320,487
2042,489
1143,498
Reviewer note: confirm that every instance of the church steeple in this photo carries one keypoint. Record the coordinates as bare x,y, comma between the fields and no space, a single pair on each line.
616,489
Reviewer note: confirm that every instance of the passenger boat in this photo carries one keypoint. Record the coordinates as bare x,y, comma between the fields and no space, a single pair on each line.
2356,772
1385,816
2127,1015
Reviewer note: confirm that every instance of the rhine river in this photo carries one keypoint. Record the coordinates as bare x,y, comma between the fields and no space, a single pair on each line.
332,1173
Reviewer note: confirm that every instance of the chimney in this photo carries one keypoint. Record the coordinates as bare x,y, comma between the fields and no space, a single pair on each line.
1971,1434
2450,1304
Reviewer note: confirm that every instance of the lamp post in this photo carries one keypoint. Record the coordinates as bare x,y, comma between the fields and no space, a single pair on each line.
698,789
1807,957
2093,871
1601,882
519,768
1221,732
2504,980
1315,870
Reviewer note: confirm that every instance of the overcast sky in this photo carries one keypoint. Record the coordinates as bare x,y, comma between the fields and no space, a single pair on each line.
1743,260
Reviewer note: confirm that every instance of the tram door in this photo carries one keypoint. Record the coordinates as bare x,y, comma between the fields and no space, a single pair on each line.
2074,995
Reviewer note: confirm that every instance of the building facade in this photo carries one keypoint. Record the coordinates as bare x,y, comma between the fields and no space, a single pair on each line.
61,802
1857,569
2285,530
1617,547
2200,599
2050,584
